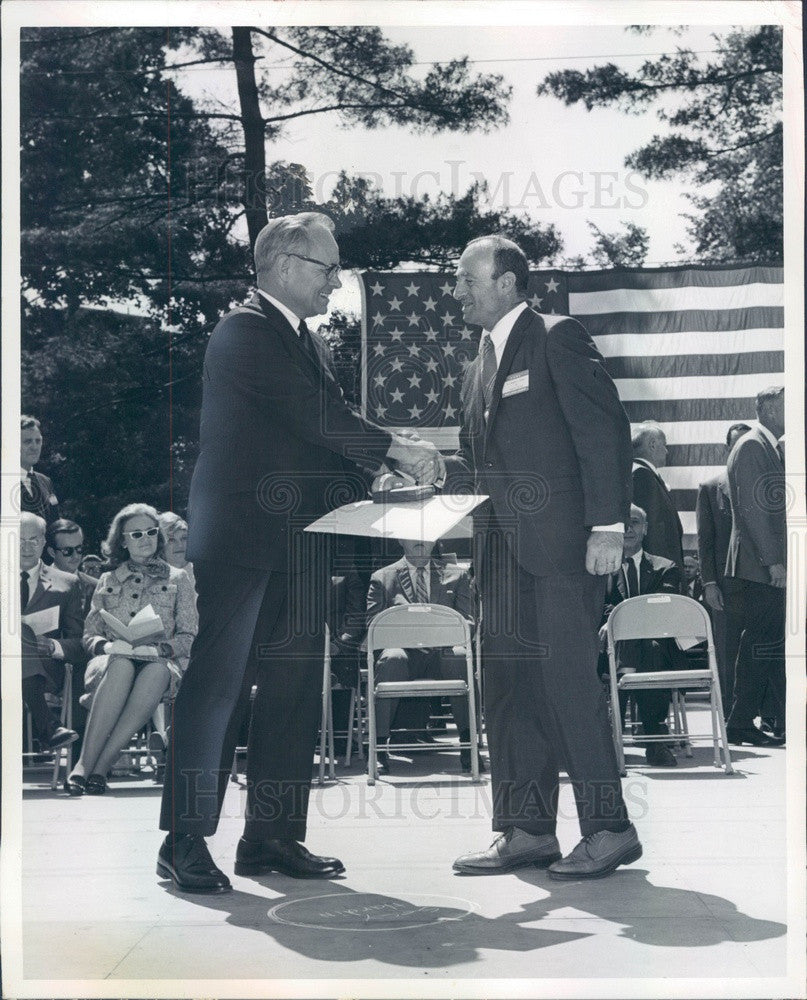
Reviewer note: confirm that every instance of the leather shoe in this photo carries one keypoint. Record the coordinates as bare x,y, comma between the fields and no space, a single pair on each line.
61,737
95,785
514,848
75,785
257,857
751,735
187,862
659,755
599,854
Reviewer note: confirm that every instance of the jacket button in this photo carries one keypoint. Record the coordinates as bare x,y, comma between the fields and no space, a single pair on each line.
132,614
134,595
137,579
165,588
109,590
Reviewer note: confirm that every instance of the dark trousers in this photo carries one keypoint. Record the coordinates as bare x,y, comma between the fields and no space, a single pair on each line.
413,664
43,722
545,708
727,628
252,629
761,655
645,656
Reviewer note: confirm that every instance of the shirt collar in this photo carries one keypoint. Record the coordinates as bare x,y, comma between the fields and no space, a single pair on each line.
637,558
33,576
25,473
766,433
293,318
413,569
647,462
501,331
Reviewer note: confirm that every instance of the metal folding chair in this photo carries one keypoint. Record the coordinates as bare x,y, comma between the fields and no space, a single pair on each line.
420,626
665,616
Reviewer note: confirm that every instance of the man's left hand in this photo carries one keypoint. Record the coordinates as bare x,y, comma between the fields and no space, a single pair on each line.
604,552
45,646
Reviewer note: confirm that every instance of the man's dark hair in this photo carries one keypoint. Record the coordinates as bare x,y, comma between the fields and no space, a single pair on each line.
27,422
507,256
768,396
736,429
64,526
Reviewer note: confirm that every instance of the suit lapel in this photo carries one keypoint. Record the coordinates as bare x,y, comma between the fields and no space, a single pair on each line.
289,336
514,341
620,583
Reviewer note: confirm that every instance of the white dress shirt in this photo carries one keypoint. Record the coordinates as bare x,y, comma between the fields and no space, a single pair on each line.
426,577
293,318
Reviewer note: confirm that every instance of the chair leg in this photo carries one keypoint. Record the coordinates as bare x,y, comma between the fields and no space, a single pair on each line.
682,710
721,723
331,748
472,715
350,716
372,762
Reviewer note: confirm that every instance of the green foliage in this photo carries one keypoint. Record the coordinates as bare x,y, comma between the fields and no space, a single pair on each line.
723,135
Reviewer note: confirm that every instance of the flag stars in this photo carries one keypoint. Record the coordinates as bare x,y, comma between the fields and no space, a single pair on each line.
378,350
432,396
412,288
551,285
397,365
535,301
431,365
414,350
396,334
431,334
378,288
379,318
413,318
396,396
449,380
381,411
466,333
394,303
430,304
448,349
414,380
447,288
379,380
415,412
449,410
447,318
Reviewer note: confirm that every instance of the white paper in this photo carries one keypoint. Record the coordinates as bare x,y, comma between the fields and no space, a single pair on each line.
444,515
44,621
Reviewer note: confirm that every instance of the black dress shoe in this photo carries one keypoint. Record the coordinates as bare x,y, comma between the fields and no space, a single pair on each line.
75,785
258,857
659,755
751,735
95,784
187,862
61,737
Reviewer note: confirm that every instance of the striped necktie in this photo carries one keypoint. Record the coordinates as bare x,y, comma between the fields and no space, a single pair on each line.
489,368
421,593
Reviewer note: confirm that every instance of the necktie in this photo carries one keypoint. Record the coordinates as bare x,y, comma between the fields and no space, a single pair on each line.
307,342
632,578
421,593
780,450
26,482
488,368
25,590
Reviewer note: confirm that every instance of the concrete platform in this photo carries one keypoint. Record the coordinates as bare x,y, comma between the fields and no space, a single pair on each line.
707,901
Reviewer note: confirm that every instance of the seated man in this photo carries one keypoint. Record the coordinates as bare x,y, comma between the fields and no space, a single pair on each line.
419,579
47,593
643,573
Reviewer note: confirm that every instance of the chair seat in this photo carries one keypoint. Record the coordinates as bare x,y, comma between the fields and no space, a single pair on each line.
666,679
421,689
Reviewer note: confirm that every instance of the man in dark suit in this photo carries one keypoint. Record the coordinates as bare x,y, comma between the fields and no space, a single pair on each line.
664,529
544,434
417,578
278,444
645,573
36,490
756,561
46,592
721,595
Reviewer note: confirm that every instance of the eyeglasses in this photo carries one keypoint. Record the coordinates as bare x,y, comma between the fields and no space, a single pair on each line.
68,550
331,270
138,534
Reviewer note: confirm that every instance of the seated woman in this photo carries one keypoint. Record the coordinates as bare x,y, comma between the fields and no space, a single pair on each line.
128,689
174,533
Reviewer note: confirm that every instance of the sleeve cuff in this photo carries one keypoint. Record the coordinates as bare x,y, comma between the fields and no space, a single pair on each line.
58,652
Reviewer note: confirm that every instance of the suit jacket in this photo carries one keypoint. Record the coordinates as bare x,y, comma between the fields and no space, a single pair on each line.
43,501
555,459
278,441
656,576
449,585
713,514
756,478
664,530
56,589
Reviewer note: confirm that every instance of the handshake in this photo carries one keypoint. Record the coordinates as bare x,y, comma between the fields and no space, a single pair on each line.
416,458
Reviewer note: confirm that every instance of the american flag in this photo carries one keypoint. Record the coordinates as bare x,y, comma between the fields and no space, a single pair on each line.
688,347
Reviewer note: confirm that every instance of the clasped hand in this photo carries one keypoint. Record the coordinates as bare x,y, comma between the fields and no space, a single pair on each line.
417,458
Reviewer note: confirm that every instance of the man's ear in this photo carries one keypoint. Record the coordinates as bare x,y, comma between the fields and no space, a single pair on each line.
50,552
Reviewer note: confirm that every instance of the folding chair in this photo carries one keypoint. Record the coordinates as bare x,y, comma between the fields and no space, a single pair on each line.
420,626
665,616
64,702
326,729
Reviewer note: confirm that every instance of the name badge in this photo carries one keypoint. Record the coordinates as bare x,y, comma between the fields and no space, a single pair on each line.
516,383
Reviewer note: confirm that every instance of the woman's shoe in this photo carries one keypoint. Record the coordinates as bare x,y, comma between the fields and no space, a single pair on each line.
75,785
96,784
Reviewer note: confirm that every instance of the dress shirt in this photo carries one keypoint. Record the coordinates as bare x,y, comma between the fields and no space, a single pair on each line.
637,558
25,479
293,318
426,577
502,330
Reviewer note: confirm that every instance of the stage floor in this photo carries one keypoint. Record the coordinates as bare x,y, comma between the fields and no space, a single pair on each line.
707,899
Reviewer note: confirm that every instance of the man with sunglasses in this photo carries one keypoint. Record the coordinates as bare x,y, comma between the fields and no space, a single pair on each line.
279,447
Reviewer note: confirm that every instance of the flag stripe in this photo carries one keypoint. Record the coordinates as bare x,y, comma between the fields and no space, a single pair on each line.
714,386
694,432
691,297
672,277
685,321
694,342
681,410
696,454
689,477
654,366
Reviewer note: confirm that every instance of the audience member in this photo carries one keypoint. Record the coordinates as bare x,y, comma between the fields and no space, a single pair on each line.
645,573
664,529
174,531
36,490
722,594
693,586
417,578
127,688
50,609
757,560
